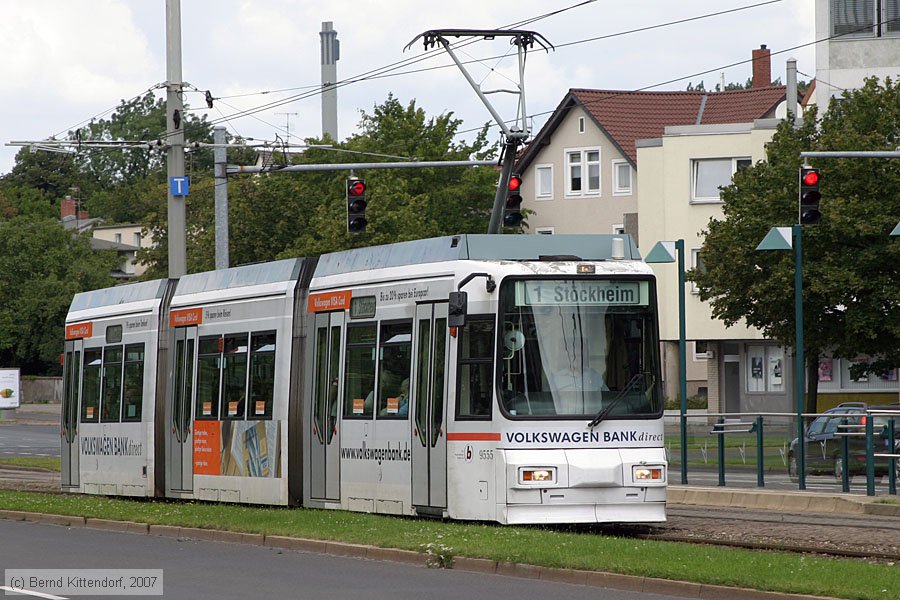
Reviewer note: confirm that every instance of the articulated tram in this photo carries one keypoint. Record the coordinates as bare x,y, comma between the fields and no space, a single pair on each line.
480,377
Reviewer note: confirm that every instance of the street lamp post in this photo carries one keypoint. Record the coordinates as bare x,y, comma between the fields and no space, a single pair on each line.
662,253
785,238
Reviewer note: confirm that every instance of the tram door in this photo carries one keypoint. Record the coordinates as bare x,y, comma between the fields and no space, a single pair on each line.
180,465
69,414
325,458
429,440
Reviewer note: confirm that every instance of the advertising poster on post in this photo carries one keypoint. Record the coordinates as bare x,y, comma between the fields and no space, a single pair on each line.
9,388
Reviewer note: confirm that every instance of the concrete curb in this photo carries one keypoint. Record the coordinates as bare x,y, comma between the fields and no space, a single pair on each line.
794,502
634,583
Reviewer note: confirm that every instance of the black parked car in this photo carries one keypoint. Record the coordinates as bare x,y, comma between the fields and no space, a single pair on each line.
823,447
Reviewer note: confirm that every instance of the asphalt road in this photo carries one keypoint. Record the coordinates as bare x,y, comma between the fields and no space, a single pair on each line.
197,569
29,440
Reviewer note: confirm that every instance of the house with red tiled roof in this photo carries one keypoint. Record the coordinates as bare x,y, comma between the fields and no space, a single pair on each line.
579,171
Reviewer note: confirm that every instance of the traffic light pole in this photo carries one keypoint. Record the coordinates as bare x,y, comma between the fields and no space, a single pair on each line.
509,161
799,370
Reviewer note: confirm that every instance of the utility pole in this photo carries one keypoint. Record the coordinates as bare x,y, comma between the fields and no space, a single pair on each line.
221,195
175,139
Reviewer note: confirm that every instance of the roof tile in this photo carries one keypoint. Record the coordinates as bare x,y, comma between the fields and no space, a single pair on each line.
628,116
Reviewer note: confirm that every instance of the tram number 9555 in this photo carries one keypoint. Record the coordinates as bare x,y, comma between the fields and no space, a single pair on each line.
482,454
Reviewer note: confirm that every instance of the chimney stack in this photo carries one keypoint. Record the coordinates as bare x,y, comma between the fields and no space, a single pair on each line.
762,67
68,207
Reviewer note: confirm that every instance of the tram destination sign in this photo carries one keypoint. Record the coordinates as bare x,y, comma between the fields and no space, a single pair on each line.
581,292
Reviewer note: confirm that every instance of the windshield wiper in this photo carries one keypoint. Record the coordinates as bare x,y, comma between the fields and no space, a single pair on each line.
639,378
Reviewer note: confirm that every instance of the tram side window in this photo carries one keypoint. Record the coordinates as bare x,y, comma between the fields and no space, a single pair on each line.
111,402
359,386
234,376
90,392
209,357
262,375
134,382
394,369
476,368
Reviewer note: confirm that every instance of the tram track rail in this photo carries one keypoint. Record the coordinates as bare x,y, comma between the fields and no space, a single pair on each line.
864,537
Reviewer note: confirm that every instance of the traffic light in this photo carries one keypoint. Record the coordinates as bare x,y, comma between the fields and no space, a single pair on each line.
512,212
809,196
356,205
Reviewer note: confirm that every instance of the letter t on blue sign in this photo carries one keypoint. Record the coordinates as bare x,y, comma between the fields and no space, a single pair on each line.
179,186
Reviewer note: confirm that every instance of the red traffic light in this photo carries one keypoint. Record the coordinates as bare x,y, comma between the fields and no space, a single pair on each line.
515,182
356,188
811,178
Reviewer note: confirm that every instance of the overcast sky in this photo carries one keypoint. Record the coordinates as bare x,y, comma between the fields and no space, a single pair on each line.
66,61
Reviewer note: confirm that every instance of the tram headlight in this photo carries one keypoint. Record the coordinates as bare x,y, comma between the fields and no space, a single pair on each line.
537,475
642,473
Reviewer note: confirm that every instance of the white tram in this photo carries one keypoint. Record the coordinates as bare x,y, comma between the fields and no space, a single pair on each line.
503,378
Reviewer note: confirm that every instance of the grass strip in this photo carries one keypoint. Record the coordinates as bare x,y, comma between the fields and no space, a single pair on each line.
565,547
48,463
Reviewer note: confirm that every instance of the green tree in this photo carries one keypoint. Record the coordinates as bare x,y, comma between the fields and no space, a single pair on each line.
24,200
140,120
279,215
851,266
121,177
52,174
42,266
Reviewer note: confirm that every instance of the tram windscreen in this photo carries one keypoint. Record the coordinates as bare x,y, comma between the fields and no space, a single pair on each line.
575,347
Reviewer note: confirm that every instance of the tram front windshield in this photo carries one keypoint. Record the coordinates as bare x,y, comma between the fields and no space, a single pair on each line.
576,348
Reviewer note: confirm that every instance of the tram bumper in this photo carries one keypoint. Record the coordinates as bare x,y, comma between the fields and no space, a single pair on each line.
583,485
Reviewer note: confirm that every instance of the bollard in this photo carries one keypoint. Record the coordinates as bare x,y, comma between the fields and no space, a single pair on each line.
892,463
845,460
721,450
870,456
760,454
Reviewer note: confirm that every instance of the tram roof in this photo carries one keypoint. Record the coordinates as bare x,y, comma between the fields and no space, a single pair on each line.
243,276
120,294
475,247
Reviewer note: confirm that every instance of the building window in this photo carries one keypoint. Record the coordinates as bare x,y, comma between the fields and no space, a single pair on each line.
865,18
580,124
618,229
621,178
583,172
544,184
697,263
137,239
118,238
543,230
710,174
701,350
765,369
